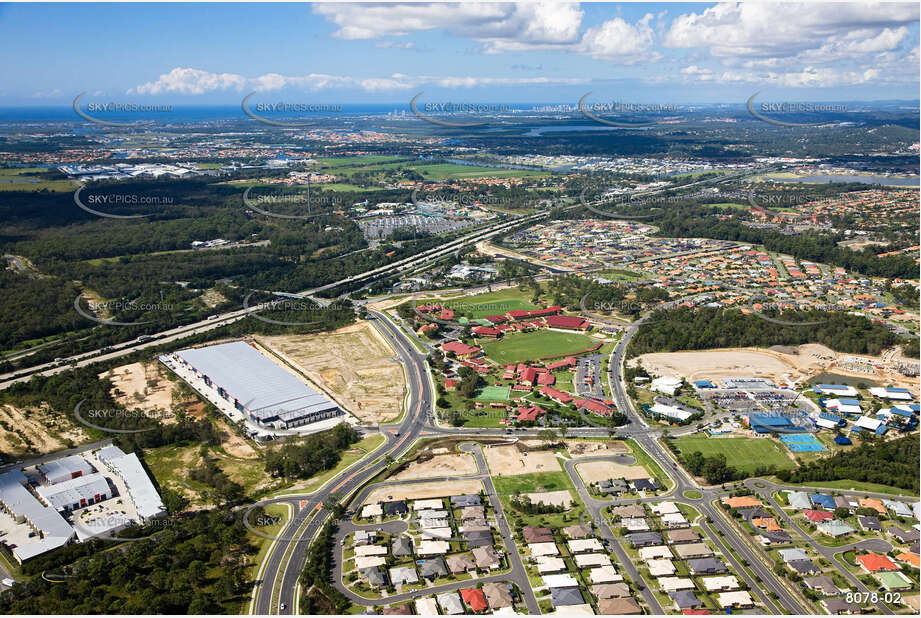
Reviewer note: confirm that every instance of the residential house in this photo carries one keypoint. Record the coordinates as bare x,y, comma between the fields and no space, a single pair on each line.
604,575
485,558
611,591
707,566
433,568
685,599
375,576
671,584
450,603
869,523
876,563
839,606
475,599
461,563
720,582
624,606
686,535
660,567
497,595
563,597
738,598
693,550
403,575
823,584
644,539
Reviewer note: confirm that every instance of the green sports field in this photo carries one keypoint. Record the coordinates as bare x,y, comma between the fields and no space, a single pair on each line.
746,454
493,393
491,303
516,347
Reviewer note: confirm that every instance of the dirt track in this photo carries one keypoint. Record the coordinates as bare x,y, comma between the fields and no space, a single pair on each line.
417,491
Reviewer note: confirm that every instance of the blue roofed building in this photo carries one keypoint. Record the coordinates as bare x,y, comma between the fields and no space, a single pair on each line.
704,384
766,423
843,441
823,500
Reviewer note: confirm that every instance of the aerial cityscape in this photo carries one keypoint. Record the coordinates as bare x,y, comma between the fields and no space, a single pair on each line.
460,308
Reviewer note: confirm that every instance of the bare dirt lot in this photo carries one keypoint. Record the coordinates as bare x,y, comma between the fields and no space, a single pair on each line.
353,365
778,364
418,491
30,431
555,498
594,471
590,448
509,460
438,466
141,386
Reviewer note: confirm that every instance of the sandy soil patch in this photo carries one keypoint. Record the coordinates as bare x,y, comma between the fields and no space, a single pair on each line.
141,386
418,491
555,498
777,364
594,471
438,466
353,365
29,431
509,460
589,448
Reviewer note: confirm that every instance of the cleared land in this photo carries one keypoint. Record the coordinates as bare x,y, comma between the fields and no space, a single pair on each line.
510,460
537,344
418,491
778,365
594,471
438,466
746,454
554,498
353,364
592,448
143,387
36,431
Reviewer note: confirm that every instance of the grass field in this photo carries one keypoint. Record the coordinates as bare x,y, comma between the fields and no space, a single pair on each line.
525,346
23,179
617,274
746,454
491,303
528,483
493,393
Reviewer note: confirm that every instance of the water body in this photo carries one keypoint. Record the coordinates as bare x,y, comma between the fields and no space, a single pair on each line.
913,181
834,378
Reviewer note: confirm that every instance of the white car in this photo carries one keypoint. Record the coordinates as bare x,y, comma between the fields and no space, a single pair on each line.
8,582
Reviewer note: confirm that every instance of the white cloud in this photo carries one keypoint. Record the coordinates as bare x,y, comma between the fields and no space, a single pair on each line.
191,81
616,39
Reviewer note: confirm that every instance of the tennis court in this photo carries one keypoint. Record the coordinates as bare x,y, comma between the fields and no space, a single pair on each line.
802,443
494,393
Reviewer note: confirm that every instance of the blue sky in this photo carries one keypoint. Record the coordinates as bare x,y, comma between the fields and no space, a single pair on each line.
189,54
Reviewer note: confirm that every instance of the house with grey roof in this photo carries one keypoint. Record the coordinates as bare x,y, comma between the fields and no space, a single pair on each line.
868,523
834,528
799,500
478,538
460,563
840,606
804,567
644,539
561,597
685,599
789,555
707,566
403,575
450,603
375,576
433,568
466,500
823,584
402,546
486,558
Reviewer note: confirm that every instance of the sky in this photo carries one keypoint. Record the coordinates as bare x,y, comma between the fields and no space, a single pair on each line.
535,52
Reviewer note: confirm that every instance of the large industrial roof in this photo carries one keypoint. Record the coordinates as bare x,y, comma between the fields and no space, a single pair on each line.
68,493
146,500
20,502
254,380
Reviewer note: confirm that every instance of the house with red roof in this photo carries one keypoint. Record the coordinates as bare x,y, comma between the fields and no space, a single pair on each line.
877,563
555,395
593,406
460,349
446,314
523,314
496,319
528,375
487,331
475,599
567,363
568,322
450,384
546,379
818,516
529,413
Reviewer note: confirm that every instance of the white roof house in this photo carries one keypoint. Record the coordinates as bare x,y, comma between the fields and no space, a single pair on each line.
65,469
671,584
372,510
577,546
844,406
147,501
868,423
661,567
370,550
605,575
433,504
591,560
888,392
426,607
562,580
25,507
75,493
720,582
451,603
651,553
799,499
899,508
670,411
543,549
432,548
739,598
674,520
664,508
840,390
367,562
666,385
550,564
635,524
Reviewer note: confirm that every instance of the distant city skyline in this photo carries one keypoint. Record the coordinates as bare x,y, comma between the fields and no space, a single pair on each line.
695,53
